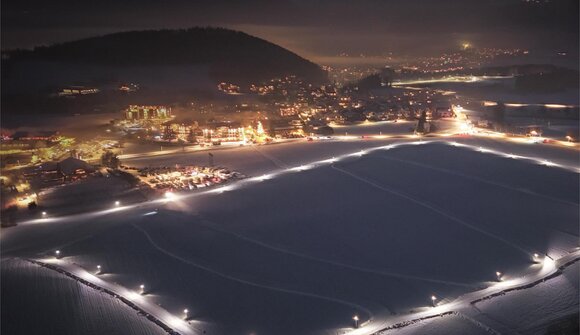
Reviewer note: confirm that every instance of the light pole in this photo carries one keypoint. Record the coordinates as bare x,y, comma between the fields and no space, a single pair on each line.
142,287
117,203
57,254
498,275
355,319
185,314
433,298
98,269
43,214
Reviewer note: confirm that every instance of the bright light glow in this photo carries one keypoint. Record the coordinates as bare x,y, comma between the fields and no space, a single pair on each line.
433,298
134,296
358,154
555,106
117,203
185,311
57,252
330,160
43,213
170,196
301,168
223,189
355,318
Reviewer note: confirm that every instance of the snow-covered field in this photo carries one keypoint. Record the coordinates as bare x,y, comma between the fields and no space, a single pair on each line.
36,300
375,234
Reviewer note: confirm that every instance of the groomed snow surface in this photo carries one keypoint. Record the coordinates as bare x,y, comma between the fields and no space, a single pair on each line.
36,300
303,252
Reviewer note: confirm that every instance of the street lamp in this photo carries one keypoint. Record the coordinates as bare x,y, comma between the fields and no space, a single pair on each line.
355,319
185,314
57,253
98,269
43,214
117,203
142,287
537,258
498,275
433,298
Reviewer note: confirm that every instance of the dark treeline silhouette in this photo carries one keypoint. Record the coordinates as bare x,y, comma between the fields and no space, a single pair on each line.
229,53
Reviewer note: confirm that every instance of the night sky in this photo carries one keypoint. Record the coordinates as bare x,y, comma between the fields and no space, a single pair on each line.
317,29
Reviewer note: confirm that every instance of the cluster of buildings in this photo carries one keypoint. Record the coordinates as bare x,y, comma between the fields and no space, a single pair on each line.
72,91
137,112
229,88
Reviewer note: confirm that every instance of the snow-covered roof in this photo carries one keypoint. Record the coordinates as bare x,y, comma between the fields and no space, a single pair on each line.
69,165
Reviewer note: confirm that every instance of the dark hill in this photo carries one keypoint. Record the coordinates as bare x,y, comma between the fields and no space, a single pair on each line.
231,55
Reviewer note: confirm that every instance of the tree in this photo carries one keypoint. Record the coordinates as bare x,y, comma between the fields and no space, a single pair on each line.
421,123
110,159
191,137
8,216
168,133
498,115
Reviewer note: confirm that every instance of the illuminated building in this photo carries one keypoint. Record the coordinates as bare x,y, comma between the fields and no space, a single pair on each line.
78,90
136,112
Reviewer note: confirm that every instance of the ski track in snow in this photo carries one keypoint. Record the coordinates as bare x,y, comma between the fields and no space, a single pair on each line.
247,282
477,323
481,180
432,208
271,158
214,226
